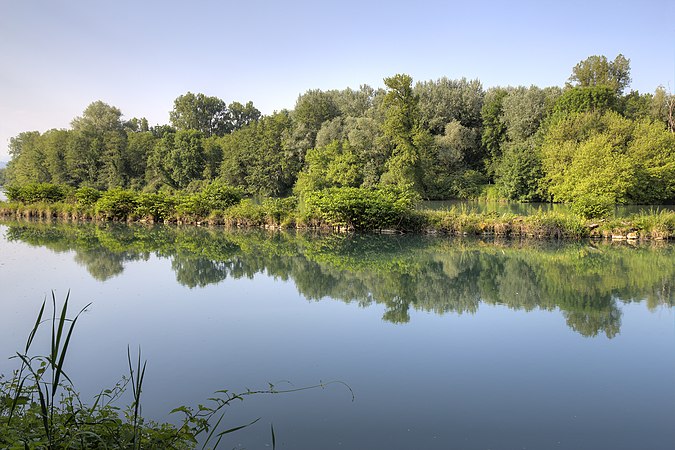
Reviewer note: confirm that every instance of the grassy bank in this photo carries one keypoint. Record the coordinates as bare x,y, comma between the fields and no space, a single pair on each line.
340,209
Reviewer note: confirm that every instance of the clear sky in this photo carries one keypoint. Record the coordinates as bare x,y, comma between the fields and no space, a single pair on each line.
57,56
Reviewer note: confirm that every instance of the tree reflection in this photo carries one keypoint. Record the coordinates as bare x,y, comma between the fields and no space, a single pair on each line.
404,273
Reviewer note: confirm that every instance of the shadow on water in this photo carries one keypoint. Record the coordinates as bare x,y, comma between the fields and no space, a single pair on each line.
586,281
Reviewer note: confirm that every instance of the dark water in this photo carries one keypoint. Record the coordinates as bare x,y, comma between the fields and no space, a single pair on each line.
462,344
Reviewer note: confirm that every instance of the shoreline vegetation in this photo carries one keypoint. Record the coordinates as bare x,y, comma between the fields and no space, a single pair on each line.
386,210
41,408
359,159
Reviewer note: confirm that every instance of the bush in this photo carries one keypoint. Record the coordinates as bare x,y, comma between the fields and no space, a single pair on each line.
280,210
155,207
116,204
362,208
87,196
37,192
593,206
214,197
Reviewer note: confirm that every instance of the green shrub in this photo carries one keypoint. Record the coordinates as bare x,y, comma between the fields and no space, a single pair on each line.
280,210
593,206
245,213
37,192
220,196
362,208
87,196
155,207
214,197
116,204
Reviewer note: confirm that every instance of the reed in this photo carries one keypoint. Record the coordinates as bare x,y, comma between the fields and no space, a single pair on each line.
40,408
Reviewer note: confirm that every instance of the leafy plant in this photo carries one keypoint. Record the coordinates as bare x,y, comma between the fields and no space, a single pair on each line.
40,408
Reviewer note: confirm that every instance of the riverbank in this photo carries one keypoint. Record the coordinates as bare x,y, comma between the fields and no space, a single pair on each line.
286,214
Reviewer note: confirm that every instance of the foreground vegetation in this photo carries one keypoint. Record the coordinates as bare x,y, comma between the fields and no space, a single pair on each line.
343,209
591,143
40,408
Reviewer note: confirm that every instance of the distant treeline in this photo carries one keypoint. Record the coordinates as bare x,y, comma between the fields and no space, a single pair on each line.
590,142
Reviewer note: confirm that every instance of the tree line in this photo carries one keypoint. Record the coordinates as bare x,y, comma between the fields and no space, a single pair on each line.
589,141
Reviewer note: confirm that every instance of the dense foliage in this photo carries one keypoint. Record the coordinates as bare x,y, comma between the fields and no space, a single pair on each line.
588,142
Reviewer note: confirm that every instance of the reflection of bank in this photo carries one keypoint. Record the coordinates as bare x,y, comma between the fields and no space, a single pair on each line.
587,282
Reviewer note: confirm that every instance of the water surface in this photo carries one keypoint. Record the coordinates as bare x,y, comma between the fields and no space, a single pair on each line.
446,343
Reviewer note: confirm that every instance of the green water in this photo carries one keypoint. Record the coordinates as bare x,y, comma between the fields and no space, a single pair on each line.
447,343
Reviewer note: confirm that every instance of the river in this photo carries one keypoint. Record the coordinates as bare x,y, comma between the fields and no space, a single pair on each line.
445,343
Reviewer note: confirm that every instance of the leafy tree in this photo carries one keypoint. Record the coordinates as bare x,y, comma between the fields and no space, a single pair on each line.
98,118
332,165
494,128
28,163
443,101
178,158
139,148
637,106
56,144
312,109
208,115
524,109
446,163
256,159
96,154
609,157
402,130
587,99
519,172
239,115
355,103
598,71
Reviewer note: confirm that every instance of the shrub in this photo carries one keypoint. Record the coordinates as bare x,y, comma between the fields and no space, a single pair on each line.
116,204
87,196
362,208
280,210
37,192
593,206
155,207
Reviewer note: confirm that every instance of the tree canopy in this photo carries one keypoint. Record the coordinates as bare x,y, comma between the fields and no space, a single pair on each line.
441,138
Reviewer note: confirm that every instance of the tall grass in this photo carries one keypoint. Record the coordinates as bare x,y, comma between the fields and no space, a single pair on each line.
40,408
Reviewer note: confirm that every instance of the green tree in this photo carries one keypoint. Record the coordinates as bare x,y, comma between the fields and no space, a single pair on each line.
444,101
177,159
598,71
139,148
519,171
95,155
208,115
28,162
494,129
588,99
256,159
332,165
610,158
402,130
239,116
312,109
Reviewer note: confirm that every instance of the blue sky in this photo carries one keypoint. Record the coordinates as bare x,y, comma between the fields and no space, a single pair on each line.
57,56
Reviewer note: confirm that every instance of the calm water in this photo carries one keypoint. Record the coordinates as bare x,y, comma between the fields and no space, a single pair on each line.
460,344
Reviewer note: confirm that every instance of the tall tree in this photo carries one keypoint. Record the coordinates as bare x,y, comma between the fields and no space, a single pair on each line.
199,112
402,129
598,71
